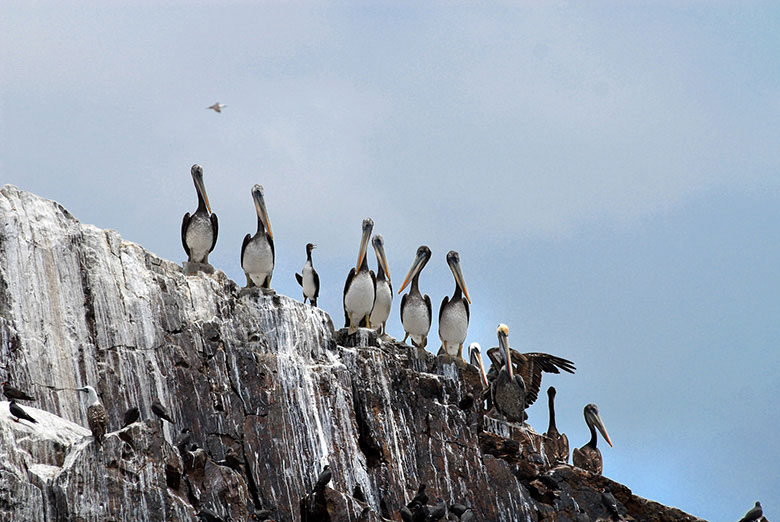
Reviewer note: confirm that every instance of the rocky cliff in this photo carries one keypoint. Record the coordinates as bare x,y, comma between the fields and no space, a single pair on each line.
262,391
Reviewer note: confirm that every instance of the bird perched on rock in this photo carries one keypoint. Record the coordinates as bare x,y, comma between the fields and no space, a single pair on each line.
19,413
96,414
383,289
508,391
15,394
416,307
217,107
360,287
323,479
257,252
199,231
159,410
309,280
755,513
438,512
131,415
558,442
588,457
609,500
454,312
421,497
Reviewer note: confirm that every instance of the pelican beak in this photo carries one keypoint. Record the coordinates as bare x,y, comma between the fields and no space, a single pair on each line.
503,343
379,248
476,360
454,262
197,177
417,265
368,226
262,213
600,426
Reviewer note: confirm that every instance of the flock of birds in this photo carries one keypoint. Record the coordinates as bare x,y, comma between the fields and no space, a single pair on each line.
514,379
510,386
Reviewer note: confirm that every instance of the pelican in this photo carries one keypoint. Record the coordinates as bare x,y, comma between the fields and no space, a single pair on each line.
96,414
308,279
199,230
359,290
530,366
475,358
416,309
559,442
508,390
257,252
217,107
454,313
383,288
588,457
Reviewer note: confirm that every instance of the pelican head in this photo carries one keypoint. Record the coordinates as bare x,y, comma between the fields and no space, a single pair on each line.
503,342
593,419
379,247
91,394
453,260
420,260
368,226
475,358
262,213
197,178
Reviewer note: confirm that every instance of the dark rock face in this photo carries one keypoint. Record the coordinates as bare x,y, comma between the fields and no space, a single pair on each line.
262,392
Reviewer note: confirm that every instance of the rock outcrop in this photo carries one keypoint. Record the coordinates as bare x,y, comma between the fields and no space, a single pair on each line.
262,391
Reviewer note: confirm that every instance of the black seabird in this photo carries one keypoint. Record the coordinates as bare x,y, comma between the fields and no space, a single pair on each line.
15,394
323,478
131,415
359,289
454,312
558,443
588,457
96,414
416,309
754,514
199,231
19,413
159,410
310,280
508,390
257,252
383,288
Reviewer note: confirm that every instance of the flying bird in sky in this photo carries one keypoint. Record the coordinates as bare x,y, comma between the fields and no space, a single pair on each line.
217,107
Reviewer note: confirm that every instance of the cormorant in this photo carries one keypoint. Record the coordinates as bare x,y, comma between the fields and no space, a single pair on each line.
558,442
310,280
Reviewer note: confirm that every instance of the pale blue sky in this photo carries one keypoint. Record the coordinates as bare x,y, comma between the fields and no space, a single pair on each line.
609,173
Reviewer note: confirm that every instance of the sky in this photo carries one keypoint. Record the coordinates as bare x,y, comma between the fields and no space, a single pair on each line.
609,174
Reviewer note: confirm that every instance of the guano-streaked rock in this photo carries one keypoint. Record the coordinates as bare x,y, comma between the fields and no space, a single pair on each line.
262,391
